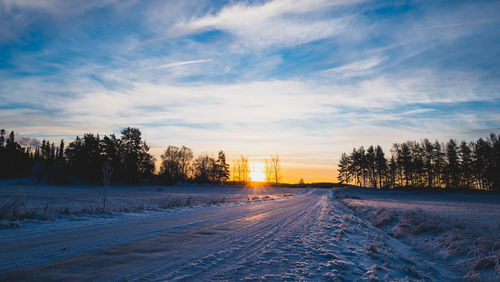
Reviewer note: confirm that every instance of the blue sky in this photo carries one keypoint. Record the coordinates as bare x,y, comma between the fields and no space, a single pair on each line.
305,79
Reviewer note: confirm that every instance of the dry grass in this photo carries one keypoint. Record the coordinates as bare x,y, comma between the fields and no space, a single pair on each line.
467,247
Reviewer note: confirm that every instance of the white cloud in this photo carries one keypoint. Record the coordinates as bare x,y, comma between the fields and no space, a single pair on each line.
289,117
358,68
183,63
283,23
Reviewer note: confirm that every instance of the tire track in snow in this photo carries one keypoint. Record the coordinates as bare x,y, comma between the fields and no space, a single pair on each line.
258,241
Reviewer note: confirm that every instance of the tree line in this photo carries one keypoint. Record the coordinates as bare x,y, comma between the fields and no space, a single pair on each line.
425,164
179,165
110,158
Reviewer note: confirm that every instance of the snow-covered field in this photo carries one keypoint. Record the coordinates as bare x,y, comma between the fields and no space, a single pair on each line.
25,202
310,234
460,229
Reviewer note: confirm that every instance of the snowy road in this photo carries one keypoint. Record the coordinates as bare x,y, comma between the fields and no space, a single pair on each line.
309,236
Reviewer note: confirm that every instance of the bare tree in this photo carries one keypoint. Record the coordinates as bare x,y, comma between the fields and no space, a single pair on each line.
175,163
244,169
241,169
268,171
276,168
204,169
107,171
235,172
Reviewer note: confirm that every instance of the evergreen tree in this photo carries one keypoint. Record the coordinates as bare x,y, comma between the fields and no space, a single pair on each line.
344,175
392,172
426,164
15,158
406,162
428,160
2,138
60,155
418,167
146,162
137,162
371,166
439,164
52,155
466,168
380,165
494,171
110,150
3,154
76,157
452,171
222,168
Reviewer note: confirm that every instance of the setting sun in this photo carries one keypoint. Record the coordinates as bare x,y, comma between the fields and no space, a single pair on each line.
257,172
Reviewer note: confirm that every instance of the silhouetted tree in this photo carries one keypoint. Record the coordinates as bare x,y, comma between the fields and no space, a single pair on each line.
405,162
452,171
127,156
241,169
2,138
14,159
222,168
370,166
359,165
137,163
466,168
440,164
276,168
111,154
425,164
60,155
428,161
3,154
344,176
392,172
380,164
494,172
204,169
268,171
175,164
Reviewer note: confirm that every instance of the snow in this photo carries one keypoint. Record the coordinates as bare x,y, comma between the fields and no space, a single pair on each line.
311,234
460,229
48,202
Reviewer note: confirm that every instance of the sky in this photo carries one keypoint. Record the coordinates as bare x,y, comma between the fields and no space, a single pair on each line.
307,80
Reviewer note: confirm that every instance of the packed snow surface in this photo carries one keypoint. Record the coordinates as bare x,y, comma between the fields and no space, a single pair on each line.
311,234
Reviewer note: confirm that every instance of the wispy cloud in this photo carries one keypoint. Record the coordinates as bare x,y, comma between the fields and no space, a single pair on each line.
357,68
183,63
283,23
